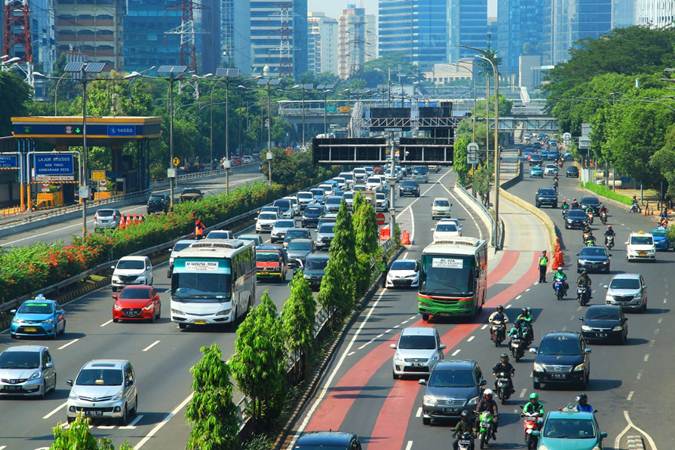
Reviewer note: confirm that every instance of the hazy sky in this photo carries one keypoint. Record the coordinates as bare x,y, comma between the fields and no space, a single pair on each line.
332,8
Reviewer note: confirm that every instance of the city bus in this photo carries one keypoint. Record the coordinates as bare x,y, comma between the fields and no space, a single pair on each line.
453,278
213,282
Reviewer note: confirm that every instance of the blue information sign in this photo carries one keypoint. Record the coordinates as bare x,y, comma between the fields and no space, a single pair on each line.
54,165
9,162
122,130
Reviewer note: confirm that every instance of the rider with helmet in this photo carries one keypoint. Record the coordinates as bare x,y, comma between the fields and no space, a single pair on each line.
534,405
525,319
584,280
496,317
464,425
560,275
505,367
575,204
487,403
582,403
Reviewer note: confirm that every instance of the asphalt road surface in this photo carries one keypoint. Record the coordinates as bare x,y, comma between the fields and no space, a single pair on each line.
64,231
162,356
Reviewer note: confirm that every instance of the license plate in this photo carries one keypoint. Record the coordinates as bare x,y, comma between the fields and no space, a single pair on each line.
12,388
642,253
558,376
200,322
601,334
94,413
448,410
30,330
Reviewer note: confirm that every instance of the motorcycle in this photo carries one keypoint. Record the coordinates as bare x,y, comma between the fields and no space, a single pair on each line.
504,387
583,295
465,441
531,423
497,332
603,217
564,211
635,208
559,289
517,346
485,427
609,242
590,217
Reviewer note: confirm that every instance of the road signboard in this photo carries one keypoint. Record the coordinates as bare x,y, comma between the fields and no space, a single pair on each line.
122,130
567,137
472,153
175,161
54,167
9,162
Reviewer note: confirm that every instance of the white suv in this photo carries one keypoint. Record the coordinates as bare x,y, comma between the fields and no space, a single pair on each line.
640,246
441,207
131,270
417,351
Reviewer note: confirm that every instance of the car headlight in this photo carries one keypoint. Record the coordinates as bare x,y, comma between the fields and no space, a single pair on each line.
473,401
398,359
609,298
140,278
637,297
223,312
586,328
72,396
618,328
117,396
411,275
19,321
582,261
538,367
49,320
177,311
116,278
35,375
430,400
580,367
117,307
433,358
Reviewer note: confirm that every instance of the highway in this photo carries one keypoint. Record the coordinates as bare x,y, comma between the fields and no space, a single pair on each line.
161,354
64,231
358,394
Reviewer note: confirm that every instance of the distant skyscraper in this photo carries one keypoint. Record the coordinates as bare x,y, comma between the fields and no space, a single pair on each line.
623,13
371,37
322,43
279,36
468,25
656,13
416,30
41,13
146,42
351,41
519,31
592,19
235,34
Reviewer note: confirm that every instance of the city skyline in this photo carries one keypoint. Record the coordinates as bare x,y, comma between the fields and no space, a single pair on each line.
332,8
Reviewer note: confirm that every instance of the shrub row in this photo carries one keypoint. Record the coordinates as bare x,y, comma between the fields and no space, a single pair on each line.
606,192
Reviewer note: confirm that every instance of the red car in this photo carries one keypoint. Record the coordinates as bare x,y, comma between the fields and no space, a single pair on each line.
137,302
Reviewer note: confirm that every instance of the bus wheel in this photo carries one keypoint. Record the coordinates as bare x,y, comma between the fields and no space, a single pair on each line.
425,317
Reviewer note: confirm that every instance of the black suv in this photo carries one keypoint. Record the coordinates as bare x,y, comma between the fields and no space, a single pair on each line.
311,215
572,172
453,386
592,202
575,219
409,187
315,266
562,358
546,196
158,202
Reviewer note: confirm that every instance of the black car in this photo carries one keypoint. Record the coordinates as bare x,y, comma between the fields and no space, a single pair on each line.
593,259
575,219
453,386
409,187
572,172
546,196
605,323
315,265
297,251
333,440
562,358
191,194
592,202
158,202
311,215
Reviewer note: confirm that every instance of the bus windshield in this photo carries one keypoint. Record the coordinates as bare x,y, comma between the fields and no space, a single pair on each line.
448,275
200,287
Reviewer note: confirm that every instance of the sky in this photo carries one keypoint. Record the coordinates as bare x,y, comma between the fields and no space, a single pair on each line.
332,8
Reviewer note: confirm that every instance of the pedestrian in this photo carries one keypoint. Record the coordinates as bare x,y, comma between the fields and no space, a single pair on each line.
543,264
199,229
385,262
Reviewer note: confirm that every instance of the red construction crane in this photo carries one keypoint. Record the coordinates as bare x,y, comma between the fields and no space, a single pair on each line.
16,30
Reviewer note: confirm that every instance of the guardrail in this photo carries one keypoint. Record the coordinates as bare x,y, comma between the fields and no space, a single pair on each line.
485,216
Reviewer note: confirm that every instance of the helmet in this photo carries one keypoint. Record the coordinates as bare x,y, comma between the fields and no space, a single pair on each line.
582,398
504,357
464,414
500,308
609,227
534,396
584,272
488,392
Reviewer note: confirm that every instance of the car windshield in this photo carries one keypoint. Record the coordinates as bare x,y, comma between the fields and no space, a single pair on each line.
381,196
403,265
592,251
374,180
560,345
660,232
284,224
333,200
105,212
443,203
420,170
569,429
411,184
316,263
135,293
180,246
452,378
99,377
296,233
448,275
298,245
576,214
305,196
266,256
282,204
590,201
546,192
192,191
603,313
348,196
36,308
219,234
412,342
625,283
19,360
313,210
155,198
327,228
641,240
267,216
133,264
317,192
449,227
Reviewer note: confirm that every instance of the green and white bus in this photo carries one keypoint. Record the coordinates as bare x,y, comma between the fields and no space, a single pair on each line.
453,278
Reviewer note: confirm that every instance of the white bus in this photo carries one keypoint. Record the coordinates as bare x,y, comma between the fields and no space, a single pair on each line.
213,282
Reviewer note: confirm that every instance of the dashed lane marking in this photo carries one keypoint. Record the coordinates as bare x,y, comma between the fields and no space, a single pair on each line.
133,423
387,331
456,352
166,420
657,330
507,306
409,445
106,427
660,320
419,412
483,327
646,358
412,317
639,375
523,391
54,411
68,344
105,323
527,290
150,346
471,338
380,335
350,353
519,296
630,395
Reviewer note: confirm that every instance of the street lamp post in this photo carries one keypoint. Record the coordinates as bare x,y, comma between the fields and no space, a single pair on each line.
269,82
226,74
325,89
304,87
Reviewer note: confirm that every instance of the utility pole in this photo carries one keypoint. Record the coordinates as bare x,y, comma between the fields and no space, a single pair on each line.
269,83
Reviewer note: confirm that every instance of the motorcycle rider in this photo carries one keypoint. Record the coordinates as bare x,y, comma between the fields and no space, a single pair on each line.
590,240
555,184
584,281
575,204
463,426
560,275
582,403
603,211
534,406
565,206
504,366
590,212
609,232
525,319
635,205
487,403
498,316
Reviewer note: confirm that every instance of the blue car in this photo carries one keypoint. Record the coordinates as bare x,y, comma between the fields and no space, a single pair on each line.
536,171
661,241
38,317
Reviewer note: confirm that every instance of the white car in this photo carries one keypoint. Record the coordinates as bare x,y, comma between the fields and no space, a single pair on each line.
441,207
279,229
220,234
131,270
640,246
374,183
403,273
265,222
178,246
295,205
341,182
445,230
550,169
246,159
417,351
327,189
348,177
381,202
304,198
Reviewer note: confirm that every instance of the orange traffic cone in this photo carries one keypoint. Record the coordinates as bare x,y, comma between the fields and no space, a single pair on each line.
384,233
123,222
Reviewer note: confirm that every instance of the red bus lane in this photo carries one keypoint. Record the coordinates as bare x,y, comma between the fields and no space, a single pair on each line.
333,410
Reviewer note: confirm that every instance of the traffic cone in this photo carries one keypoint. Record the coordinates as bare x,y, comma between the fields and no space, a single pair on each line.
405,238
384,233
123,222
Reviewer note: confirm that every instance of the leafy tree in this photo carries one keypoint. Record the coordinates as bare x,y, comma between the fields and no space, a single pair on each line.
78,437
664,161
368,251
297,318
459,158
212,414
13,101
259,361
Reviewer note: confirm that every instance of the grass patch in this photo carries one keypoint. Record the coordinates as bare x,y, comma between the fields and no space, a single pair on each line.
606,192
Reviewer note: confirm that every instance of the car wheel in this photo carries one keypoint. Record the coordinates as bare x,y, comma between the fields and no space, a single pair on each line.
426,421
182,326
70,419
116,320
393,375
153,318
43,390
125,416
425,317
536,385
135,410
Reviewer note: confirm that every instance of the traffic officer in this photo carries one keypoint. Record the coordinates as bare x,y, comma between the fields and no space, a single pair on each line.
543,264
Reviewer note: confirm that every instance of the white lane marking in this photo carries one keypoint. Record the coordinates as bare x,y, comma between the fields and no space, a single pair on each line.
55,410
333,374
617,440
652,342
639,375
646,358
68,344
630,395
528,289
350,353
387,331
105,323
657,330
471,338
660,320
473,219
665,300
419,412
132,425
456,352
519,296
483,327
579,308
409,445
3,447
507,306
396,326
523,391
150,346
379,335
166,420
405,321
412,317
106,427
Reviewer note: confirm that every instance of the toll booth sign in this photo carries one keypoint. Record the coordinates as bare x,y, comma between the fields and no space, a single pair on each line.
54,167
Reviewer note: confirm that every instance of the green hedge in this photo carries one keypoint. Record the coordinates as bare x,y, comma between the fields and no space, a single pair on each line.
606,192
27,269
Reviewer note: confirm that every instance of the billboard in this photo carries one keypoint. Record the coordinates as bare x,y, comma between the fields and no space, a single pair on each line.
54,167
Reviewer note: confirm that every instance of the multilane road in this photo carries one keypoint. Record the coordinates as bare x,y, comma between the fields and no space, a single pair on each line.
162,356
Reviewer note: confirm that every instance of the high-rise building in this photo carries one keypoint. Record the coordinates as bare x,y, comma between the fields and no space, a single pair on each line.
146,39
322,43
235,33
415,30
371,37
43,45
468,26
91,29
351,41
656,13
623,13
279,37
519,32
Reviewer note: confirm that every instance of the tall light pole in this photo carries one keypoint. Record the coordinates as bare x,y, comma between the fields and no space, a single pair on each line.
304,87
269,82
80,70
325,90
226,74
